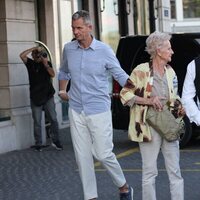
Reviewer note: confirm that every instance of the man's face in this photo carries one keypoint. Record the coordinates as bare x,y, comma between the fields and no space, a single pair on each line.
81,30
36,57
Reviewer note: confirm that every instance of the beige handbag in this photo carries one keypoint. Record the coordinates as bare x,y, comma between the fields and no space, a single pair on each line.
165,123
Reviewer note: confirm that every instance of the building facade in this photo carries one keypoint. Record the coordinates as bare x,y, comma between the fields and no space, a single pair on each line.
22,22
185,16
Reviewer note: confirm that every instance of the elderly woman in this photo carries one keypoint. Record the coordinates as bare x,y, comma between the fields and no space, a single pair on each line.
154,84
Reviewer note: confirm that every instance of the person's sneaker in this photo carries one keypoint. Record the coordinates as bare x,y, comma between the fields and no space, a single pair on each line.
127,195
38,148
57,145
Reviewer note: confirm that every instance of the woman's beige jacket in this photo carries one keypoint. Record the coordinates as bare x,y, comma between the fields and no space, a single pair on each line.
140,84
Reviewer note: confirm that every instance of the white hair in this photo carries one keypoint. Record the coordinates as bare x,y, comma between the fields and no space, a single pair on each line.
155,41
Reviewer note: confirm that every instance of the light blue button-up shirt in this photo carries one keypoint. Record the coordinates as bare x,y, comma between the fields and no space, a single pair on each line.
88,69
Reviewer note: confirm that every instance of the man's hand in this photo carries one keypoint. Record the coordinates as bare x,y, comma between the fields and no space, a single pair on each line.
44,61
25,53
63,95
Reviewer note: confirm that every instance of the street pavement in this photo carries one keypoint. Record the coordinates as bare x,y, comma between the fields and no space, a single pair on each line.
53,175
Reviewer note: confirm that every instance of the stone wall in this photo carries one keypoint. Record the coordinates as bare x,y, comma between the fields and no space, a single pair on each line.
17,33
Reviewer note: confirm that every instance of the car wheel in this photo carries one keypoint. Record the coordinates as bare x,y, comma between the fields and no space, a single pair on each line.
186,134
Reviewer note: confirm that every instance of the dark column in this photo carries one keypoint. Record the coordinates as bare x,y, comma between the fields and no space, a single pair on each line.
152,16
123,18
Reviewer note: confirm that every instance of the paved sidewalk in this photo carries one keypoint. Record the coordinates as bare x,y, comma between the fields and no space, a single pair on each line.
50,174
53,175
30,175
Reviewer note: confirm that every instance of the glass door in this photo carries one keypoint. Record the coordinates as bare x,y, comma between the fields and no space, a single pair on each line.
109,23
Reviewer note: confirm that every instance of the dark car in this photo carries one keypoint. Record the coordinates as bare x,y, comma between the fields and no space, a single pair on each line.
131,52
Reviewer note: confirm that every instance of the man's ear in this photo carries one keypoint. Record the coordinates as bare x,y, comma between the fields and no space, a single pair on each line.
90,27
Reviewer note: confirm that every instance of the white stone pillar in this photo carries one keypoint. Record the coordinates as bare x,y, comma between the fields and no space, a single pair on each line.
164,15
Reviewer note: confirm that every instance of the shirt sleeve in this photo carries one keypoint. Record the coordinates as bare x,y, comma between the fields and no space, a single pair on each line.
189,93
114,67
63,73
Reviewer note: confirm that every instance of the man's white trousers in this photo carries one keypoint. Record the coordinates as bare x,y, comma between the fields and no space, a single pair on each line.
92,135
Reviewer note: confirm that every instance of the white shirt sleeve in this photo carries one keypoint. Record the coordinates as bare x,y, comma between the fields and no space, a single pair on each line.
189,93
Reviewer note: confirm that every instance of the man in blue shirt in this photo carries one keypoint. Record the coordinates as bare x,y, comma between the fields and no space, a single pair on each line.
87,63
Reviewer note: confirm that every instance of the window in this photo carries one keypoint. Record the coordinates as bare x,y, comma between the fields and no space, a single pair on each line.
4,115
173,9
191,8
110,24
110,28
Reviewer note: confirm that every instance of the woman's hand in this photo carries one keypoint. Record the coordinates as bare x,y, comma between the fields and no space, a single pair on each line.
156,102
181,112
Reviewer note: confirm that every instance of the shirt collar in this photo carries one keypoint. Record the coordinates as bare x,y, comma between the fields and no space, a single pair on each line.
92,45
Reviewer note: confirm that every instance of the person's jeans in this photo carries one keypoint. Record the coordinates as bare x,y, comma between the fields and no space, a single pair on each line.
50,111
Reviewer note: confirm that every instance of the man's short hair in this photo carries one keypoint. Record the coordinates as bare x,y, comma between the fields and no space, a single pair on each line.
84,15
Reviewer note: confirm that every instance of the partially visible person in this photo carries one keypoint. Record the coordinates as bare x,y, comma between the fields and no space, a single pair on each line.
87,63
154,84
40,72
191,91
